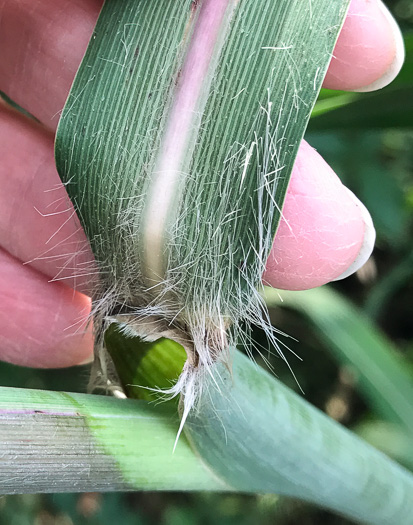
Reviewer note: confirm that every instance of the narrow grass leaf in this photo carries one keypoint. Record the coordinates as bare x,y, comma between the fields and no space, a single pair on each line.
383,377
259,436
176,145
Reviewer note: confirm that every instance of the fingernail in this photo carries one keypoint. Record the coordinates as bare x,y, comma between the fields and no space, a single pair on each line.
368,240
399,53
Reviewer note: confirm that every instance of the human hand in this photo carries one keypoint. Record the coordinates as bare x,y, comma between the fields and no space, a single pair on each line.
42,323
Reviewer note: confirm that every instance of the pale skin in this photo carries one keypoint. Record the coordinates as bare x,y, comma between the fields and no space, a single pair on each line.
42,322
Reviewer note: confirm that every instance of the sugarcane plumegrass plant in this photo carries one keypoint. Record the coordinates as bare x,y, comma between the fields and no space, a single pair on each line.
176,145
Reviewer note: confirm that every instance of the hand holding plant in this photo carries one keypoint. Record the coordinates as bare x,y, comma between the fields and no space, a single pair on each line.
176,144
321,234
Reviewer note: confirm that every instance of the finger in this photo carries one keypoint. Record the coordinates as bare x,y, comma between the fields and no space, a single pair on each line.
38,224
42,43
325,233
41,324
369,52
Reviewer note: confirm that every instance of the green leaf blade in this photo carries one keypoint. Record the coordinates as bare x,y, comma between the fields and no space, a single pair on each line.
260,436
179,179
383,377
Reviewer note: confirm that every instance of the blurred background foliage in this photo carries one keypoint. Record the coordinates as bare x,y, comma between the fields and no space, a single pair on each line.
368,140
